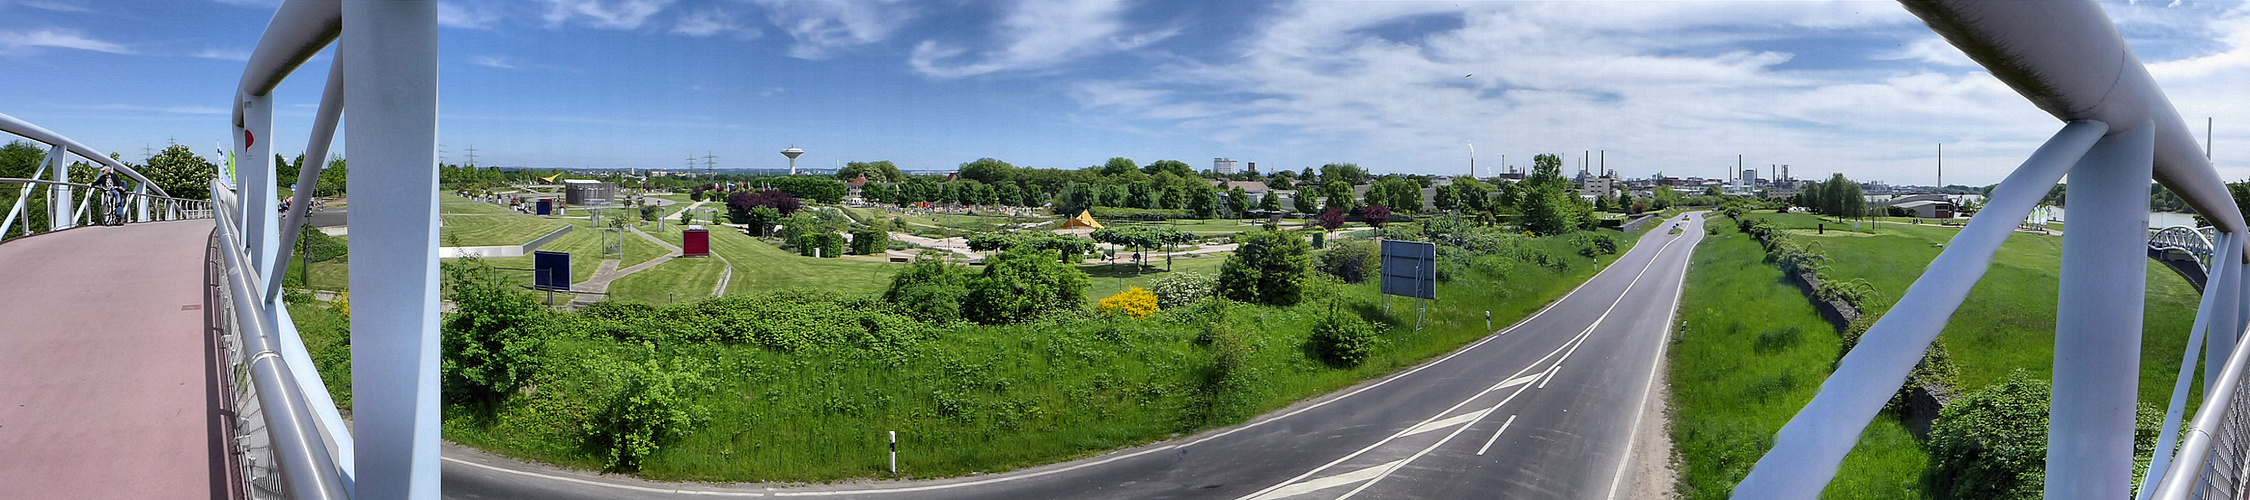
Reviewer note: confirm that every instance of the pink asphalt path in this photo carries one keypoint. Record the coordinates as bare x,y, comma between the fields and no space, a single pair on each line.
103,375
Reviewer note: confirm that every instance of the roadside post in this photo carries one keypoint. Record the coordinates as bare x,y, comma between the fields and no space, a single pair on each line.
894,452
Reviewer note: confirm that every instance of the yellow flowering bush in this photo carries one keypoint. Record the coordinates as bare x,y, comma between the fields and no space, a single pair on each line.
1135,301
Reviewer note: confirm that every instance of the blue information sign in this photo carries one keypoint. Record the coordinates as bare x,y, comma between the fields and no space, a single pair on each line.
550,270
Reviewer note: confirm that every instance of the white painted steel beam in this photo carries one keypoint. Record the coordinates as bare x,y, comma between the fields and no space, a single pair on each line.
1807,451
392,51
58,196
2067,58
316,157
2214,292
254,178
2104,287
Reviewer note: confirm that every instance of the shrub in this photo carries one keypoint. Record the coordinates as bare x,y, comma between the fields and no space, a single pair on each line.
1265,269
1344,341
1353,261
491,340
930,289
828,245
1180,289
1019,284
870,241
648,409
1135,301
1992,443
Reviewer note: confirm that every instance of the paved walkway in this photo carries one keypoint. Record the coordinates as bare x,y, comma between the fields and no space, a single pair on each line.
609,272
103,376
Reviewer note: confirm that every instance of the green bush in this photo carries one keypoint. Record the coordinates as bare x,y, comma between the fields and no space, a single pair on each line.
1353,261
649,408
1022,283
320,247
829,245
1344,341
1266,269
1181,288
930,289
492,339
870,241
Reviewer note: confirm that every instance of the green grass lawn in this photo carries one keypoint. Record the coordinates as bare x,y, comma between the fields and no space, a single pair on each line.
972,399
494,230
760,267
676,280
1750,351
2008,321
451,204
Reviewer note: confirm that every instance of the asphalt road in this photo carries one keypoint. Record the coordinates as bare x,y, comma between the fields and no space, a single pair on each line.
1543,409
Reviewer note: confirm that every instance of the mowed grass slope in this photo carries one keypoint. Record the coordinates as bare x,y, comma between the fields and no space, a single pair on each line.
988,399
1749,353
676,280
2008,321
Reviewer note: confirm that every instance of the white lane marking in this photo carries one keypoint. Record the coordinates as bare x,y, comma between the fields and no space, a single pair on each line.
1580,339
1441,424
1551,371
1663,345
1456,406
1326,482
568,479
1496,435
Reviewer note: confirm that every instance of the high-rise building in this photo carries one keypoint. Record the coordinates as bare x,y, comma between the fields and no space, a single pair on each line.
1225,166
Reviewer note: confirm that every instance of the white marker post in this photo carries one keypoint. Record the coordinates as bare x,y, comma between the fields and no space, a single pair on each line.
1488,321
894,452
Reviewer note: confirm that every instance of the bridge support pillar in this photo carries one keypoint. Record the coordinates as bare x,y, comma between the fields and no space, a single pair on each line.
392,50
58,197
2098,318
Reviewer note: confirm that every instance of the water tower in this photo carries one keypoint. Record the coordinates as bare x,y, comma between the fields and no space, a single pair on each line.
792,153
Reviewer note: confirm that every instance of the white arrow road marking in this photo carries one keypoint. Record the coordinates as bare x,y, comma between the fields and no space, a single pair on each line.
1327,482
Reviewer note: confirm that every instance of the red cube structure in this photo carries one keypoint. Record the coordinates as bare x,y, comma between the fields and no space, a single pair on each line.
695,242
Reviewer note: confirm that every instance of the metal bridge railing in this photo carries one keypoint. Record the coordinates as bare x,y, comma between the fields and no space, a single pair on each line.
300,440
63,213
2119,133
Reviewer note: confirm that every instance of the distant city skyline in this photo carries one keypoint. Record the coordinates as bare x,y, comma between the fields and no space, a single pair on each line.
1859,88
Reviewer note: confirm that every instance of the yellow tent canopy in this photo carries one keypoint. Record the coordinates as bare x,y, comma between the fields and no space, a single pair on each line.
1084,219
551,178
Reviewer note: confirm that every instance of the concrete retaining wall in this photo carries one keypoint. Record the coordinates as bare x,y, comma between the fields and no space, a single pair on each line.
505,250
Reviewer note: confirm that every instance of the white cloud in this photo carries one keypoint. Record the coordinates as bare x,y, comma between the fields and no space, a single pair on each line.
821,29
56,6
15,41
1038,35
468,15
1677,88
623,15
711,21
224,54
502,62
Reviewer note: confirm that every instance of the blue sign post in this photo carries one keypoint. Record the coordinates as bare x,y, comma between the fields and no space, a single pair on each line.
1410,270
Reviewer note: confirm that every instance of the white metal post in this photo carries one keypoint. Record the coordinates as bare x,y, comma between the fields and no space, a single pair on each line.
140,203
253,168
391,128
2098,319
58,197
2226,322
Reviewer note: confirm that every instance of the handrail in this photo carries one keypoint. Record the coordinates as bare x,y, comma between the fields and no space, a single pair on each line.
305,463
28,130
12,180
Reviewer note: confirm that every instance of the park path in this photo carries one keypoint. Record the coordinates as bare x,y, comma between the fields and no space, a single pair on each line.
594,288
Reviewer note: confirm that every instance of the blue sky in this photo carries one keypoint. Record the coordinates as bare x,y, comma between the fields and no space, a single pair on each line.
1675,87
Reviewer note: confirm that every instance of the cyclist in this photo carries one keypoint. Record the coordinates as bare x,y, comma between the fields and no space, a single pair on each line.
113,188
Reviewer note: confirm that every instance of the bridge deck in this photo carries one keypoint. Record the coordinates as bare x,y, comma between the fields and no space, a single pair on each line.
105,386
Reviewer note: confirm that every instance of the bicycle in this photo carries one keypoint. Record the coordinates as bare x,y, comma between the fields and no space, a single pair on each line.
112,209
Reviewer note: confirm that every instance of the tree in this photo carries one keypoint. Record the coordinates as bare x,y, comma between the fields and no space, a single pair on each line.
1020,284
878,171
1268,268
1175,198
880,193
1339,195
1397,192
818,189
1074,198
1347,173
1238,202
179,171
872,240
1306,202
1175,167
987,170
1114,195
1006,193
1119,166
1332,219
1549,211
1447,198
930,289
1271,202
1203,201
1375,215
